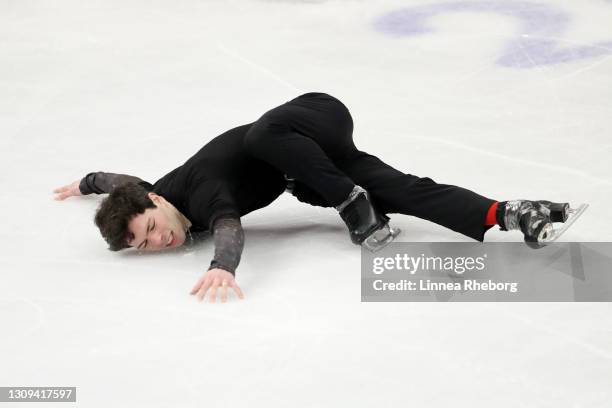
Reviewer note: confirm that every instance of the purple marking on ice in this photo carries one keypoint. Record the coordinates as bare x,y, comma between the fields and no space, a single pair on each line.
537,44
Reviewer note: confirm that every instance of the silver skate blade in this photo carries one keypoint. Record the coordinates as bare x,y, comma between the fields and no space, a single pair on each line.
555,233
380,238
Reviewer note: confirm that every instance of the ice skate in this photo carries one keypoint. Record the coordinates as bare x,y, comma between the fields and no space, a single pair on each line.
535,219
366,226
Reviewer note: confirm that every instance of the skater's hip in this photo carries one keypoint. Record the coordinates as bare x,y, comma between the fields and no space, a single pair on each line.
315,114
322,102
315,95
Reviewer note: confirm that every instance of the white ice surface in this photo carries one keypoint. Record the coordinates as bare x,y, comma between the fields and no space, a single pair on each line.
138,86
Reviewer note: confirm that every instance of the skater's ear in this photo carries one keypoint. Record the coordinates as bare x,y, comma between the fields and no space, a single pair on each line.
154,197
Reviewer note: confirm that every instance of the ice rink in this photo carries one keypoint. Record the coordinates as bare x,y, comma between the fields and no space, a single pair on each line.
512,99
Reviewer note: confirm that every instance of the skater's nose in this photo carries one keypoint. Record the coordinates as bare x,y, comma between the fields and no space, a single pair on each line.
157,238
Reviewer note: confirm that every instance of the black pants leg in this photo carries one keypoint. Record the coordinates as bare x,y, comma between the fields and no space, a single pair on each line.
392,191
302,138
310,139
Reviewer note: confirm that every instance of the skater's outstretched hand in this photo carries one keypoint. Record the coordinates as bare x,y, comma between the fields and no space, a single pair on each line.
72,189
213,279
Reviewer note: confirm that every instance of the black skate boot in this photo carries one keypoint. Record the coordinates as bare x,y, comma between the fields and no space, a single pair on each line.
366,226
535,219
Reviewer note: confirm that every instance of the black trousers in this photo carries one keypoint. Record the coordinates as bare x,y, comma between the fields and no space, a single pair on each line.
310,138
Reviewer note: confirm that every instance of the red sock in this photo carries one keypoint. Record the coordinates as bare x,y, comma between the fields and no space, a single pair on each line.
491,215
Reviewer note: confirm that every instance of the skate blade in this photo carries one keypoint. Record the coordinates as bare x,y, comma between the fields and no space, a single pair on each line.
552,234
380,238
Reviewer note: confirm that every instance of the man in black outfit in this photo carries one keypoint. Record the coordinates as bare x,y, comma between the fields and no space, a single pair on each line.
305,147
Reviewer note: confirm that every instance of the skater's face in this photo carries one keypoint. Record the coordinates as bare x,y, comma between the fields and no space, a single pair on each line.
157,228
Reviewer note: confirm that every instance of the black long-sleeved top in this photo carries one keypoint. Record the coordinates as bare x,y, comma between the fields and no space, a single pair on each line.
214,188
228,235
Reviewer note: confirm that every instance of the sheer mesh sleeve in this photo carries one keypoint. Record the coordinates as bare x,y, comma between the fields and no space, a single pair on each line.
229,242
100,182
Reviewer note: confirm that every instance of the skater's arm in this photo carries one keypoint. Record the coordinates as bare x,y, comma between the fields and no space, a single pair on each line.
100,182
228,237
229,241
96,182
212,204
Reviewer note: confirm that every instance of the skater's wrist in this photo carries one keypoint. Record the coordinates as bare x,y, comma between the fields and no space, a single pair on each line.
216,265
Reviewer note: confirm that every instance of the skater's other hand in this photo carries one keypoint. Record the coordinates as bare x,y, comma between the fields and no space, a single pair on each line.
72,189
213,279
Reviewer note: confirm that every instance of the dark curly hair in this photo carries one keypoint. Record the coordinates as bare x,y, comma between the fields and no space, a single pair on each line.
116,211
